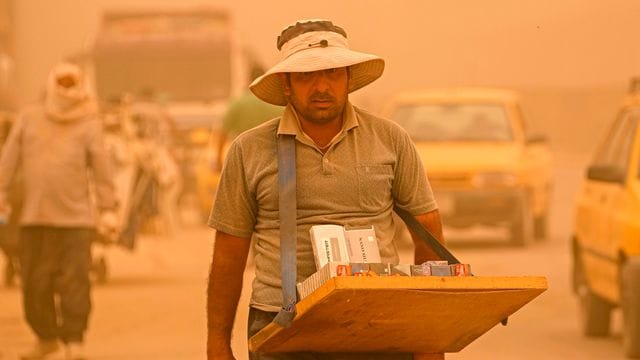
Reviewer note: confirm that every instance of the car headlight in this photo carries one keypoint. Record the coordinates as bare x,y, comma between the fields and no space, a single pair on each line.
494,179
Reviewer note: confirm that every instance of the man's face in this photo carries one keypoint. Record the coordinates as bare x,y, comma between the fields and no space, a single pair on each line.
318,96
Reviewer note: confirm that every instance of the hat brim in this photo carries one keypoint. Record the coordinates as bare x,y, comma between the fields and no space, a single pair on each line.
364,69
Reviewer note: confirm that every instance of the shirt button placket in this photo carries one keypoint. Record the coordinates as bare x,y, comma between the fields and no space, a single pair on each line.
326,167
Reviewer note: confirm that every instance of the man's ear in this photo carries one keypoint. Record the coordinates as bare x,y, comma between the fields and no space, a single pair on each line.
286,85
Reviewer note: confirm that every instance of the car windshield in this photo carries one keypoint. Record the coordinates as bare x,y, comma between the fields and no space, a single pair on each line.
454,122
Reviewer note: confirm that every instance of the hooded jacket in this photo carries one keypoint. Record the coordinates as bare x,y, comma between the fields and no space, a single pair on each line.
59,147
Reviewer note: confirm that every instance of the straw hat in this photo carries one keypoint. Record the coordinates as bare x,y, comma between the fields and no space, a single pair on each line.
311,45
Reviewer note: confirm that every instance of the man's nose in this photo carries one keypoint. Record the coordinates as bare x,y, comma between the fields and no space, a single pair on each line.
322,81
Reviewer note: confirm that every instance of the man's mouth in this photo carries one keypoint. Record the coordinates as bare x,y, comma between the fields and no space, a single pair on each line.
322,102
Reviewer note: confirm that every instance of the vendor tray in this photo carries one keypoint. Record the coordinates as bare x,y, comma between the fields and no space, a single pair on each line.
422,314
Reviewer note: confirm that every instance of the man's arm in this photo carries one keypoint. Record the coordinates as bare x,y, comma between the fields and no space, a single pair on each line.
9,162
223,293
102,169
431,221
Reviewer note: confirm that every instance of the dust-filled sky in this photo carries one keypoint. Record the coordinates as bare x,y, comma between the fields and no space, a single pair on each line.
542,47
426,43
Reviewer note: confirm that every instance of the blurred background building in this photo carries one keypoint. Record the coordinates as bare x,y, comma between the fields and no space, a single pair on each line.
571,59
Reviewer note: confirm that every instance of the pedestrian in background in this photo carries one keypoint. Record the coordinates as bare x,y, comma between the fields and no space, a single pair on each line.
58,146
244,113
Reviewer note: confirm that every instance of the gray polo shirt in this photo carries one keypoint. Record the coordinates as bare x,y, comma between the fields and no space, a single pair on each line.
369,165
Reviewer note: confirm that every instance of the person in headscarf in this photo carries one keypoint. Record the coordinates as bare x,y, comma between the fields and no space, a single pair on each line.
59,147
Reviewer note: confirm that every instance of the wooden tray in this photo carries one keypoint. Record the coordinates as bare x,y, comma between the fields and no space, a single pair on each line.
428,314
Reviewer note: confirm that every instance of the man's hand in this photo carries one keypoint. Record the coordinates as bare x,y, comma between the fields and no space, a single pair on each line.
431,221
223,293
5,212
220,353
108,225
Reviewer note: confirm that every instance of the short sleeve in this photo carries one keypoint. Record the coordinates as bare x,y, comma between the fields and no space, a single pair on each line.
411,189
235,209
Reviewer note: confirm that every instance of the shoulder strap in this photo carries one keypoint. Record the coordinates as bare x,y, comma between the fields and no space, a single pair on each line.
288,221
416,227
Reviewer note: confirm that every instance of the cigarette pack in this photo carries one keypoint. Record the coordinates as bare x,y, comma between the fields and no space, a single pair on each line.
441,270
359,269
379,269
329,244
401,269
436,262
318,278
461,270
363,246
420,270
333,269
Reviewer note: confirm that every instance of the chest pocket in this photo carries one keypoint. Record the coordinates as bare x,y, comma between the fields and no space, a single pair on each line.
374,186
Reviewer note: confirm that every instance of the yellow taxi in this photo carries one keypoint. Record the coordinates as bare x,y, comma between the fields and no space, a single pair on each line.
484,166
606,239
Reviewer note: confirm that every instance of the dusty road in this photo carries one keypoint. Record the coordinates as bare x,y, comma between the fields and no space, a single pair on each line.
153,305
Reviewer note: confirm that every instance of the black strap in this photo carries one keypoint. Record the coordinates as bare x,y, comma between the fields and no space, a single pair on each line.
288,220
416,227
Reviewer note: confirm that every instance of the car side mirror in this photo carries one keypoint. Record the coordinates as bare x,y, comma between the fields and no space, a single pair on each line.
606,173
537,139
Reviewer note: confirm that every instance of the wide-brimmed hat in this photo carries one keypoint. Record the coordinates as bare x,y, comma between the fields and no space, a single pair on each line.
312,45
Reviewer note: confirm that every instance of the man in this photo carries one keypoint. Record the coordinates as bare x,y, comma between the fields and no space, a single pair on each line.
244,113
56,146
352,167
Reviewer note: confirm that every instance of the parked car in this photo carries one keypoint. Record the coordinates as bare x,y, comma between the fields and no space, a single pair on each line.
483,165
606,238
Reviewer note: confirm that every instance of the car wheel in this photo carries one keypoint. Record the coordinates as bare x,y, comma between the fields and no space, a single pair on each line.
595,312
631,307
521,225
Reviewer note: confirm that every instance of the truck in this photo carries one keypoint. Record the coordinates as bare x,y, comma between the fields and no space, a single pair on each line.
189,61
